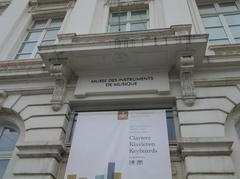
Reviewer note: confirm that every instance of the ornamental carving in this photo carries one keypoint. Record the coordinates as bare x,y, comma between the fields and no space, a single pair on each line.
186,71
59,72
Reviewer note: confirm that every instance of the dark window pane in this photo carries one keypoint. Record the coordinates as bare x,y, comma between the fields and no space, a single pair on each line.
216,33
8,139
56,22
47,42
51,35
27,47
24,56
33,36
139,26
238,41
119,17
139,15
233,19
235,31
73,129
3,167
39,24
170,125
228,7
204,9
219,42
211,21
118,28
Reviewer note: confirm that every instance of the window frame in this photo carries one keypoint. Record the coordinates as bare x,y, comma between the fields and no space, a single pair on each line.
128,21
43,31
220,14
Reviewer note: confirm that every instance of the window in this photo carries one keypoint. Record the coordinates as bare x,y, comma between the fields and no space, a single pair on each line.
42,32
170,126
8,139
128,20
221,22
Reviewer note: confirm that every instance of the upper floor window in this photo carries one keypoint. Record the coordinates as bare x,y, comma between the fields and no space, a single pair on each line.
42,32
8,139
221,21
131,20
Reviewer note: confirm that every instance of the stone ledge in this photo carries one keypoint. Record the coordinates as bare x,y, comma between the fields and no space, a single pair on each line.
13,70
205,147
36,167
46,2
152,34
227,49
41,150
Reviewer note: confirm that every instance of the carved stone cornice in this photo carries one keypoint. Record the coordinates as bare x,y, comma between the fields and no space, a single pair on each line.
60,72
226,50
205,147
15,70
141,49
41,150
186,72
46,2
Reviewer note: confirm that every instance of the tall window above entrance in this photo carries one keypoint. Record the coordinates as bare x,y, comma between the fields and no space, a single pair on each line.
131,20
42,32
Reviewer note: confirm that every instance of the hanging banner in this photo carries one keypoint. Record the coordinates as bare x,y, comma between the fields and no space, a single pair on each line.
120,145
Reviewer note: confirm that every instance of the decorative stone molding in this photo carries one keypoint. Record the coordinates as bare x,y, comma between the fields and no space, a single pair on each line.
125,1
60,72
43,2
205,147
175,32
15,70
84,51
41,150
3,96
226,50
186,71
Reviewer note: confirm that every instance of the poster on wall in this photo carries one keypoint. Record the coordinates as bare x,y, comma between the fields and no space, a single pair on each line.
120,145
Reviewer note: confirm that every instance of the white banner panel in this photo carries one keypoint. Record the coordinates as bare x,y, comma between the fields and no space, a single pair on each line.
120,145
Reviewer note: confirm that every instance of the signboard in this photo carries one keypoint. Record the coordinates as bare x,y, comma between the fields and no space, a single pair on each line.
120,145
147,82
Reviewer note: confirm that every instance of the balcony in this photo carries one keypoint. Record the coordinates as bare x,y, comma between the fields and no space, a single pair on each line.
150,49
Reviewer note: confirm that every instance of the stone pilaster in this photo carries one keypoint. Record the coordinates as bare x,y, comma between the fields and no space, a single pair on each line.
207,158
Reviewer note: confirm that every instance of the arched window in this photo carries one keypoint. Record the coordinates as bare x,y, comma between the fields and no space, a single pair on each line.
8,138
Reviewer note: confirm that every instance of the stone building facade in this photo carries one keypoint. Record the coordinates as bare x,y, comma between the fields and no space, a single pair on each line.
55,55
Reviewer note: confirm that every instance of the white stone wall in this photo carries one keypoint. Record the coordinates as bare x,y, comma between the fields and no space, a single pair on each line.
206,134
